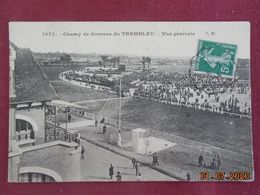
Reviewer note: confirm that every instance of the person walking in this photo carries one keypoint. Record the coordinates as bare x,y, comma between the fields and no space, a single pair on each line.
133,162
188,176
155,159
111,171
82,152
200,160
118,176
137,168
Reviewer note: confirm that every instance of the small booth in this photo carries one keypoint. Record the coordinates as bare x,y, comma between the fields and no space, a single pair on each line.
138,142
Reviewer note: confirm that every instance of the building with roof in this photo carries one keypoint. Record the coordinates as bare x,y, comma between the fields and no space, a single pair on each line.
38,151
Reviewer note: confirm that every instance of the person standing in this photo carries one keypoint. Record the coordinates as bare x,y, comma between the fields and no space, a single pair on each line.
82,152
77,139
153,164
118,176
213,163
200,160
133,162
218,162
103,120
111,171
104,129
96,122
139,177
188,176
69,117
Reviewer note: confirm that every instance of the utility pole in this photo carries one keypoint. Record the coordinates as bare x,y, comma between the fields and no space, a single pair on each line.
55,122
120,101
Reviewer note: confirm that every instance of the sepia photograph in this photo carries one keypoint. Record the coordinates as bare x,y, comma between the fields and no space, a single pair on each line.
130,101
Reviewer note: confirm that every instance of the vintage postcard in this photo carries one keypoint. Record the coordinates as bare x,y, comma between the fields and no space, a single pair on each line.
130,101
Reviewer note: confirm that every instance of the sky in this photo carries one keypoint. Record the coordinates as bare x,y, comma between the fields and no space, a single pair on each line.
53,37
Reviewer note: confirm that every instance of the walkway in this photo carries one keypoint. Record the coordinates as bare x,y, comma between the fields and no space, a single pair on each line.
97,161
98,100
72,125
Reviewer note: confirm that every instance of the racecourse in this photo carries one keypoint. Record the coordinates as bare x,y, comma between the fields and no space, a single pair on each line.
232,133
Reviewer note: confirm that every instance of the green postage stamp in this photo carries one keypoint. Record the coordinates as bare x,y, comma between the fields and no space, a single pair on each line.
216,58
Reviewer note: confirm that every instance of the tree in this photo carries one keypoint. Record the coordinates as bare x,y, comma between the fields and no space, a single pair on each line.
66,58
143,61
146,60
104,60
100,63
115,61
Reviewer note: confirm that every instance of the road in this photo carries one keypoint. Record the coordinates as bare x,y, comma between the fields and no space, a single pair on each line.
97,161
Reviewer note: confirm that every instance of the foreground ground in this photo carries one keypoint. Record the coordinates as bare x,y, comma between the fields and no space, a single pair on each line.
175,161
97,161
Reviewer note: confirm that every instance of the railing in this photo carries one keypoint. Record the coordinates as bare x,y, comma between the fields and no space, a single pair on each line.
23,135
53,132
82,113
202,108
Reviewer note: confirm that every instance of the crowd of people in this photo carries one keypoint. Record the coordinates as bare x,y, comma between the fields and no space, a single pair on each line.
88,79
200,91
214,164
215,94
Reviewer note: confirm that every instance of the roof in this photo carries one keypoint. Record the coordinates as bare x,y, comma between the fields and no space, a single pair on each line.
62,103
31,84
13,46
139,130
